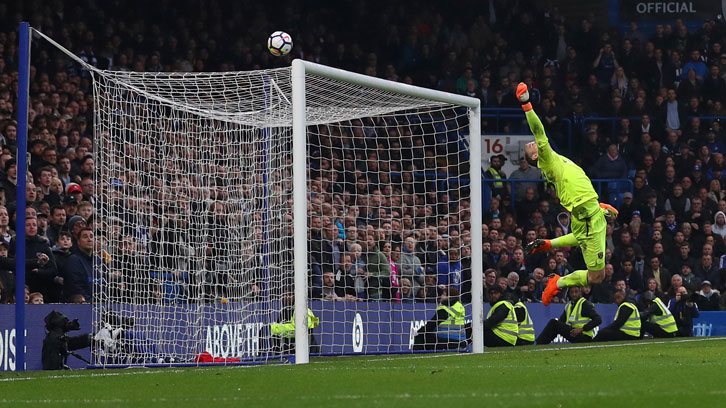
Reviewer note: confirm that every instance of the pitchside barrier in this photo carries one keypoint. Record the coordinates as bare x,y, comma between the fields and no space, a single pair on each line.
345,328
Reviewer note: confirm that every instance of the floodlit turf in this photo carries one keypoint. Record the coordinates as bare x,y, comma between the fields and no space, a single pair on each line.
683,372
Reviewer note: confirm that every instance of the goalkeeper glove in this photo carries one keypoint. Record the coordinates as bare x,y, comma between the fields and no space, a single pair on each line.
523,96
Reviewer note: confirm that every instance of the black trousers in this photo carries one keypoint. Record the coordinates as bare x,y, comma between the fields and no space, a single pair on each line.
555,327
429,341
656,331
492,340
521,342
613,335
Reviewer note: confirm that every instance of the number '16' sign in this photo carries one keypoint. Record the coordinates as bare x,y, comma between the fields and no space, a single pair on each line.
492,146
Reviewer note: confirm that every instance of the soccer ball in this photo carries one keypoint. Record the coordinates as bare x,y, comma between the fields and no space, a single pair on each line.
279,43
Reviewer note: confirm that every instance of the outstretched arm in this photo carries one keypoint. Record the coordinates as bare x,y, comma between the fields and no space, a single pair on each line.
544,149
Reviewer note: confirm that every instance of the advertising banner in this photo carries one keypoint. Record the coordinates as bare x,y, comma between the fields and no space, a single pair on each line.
235,330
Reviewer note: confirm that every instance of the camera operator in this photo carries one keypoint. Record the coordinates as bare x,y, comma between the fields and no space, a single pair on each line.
57,345
684,309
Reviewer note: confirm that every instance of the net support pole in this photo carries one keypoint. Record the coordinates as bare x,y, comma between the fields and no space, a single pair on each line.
22,166
299,198
477,300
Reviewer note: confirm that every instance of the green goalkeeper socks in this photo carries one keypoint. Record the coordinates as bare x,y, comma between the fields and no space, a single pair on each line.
568,240
577,278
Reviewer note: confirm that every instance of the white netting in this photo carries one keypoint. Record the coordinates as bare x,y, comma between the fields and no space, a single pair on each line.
259,98
194,192
390,229
196,211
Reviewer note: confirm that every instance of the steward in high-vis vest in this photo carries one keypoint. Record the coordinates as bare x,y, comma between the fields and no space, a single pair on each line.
657,319
283,331
525,325
500,327
447,329
576,323
287,328
498,188
626,325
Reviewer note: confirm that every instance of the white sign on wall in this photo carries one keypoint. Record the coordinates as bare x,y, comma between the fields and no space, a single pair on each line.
511,146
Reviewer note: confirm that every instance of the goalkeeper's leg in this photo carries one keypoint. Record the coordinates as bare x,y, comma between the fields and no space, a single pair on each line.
590,235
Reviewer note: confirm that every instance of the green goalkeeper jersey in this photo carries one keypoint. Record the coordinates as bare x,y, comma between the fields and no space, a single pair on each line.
572,184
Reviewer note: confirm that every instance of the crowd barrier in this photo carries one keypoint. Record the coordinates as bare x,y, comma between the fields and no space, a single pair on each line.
350,328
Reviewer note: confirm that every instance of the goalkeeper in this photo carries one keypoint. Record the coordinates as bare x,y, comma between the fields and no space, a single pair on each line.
577,195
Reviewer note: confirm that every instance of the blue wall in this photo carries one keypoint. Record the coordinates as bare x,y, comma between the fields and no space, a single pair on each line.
232,330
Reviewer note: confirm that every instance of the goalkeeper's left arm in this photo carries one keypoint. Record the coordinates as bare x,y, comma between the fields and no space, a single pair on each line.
535,125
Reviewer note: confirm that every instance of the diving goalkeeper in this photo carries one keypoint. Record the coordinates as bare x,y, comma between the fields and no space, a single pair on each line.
577,195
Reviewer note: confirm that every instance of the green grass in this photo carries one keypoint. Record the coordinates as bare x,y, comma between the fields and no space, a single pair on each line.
637,374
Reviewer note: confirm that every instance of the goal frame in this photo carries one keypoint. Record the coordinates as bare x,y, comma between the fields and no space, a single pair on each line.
300,69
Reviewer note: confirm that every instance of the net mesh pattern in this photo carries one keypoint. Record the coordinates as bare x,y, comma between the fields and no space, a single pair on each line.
193,187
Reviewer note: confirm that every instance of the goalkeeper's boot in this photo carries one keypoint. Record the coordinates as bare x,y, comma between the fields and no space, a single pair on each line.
551,289
609,210
538,245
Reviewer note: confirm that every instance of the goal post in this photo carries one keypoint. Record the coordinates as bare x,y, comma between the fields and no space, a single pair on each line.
273,214
300,70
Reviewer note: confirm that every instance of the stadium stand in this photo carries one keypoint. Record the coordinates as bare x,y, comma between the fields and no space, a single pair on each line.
647,109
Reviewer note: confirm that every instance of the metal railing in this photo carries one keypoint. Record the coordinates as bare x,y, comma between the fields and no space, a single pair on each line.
500,114
611,192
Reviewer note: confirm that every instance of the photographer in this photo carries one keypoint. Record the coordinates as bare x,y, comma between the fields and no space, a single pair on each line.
684,309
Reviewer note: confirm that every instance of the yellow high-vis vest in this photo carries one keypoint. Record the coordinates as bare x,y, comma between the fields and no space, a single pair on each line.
666,321
453,327
507,329
526,328
287,329
631,327
575,317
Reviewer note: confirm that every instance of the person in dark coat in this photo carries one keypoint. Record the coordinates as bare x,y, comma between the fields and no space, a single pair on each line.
78,270
44,277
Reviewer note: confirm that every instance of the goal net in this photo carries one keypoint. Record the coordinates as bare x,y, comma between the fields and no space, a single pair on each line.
226,214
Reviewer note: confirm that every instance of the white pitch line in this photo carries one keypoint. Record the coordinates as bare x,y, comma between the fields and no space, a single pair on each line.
606,345
563,347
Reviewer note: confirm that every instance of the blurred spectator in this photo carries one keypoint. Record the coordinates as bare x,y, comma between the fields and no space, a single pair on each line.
708,298
56,223
378,271
409,264
35,298
525,171
42,276
78,271
661,275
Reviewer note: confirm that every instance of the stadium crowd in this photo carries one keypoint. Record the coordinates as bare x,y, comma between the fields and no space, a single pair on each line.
379,229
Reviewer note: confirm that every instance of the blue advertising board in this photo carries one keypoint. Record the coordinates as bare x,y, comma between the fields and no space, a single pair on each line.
235,330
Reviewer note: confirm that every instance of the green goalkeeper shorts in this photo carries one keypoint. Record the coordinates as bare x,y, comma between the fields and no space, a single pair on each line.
589,227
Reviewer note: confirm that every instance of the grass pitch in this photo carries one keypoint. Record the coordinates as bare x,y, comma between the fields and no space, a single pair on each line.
637,374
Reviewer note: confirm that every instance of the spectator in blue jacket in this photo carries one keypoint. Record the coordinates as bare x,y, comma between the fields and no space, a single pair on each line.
78,270
695,64
449,269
